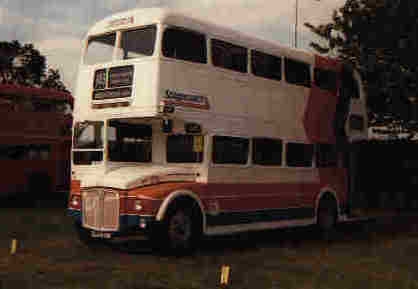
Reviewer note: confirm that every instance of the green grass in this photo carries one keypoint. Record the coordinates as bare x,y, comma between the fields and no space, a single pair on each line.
49,255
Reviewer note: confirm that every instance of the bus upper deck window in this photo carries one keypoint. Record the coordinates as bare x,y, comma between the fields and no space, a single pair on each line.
100,49
184,44
229,56
139,42
297,72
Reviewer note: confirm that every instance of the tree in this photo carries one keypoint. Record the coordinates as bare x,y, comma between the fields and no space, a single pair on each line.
25,65
53,80
379,38
8,52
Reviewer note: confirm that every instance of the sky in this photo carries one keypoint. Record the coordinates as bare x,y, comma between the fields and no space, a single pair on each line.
57,27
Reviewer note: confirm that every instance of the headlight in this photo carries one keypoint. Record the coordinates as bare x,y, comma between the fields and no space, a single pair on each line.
75,201
138,205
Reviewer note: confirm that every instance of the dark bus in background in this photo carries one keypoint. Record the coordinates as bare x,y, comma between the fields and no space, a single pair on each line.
35,141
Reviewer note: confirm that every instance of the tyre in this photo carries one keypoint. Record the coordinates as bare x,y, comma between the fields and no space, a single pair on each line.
181,230
327,217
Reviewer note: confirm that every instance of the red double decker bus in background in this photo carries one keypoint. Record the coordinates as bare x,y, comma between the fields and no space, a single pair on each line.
35,141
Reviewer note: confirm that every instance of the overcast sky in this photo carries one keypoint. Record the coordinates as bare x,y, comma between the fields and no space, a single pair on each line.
56,27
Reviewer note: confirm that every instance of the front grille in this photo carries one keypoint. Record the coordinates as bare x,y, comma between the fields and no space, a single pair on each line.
101,209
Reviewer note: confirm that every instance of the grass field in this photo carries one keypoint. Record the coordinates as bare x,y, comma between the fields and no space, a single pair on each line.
48,255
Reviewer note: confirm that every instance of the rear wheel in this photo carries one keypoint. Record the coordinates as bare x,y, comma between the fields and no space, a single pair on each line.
327,217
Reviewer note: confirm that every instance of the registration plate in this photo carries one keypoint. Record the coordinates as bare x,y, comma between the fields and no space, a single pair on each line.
103,235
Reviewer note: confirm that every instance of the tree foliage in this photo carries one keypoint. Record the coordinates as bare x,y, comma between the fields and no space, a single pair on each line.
53,80
379,38
25,65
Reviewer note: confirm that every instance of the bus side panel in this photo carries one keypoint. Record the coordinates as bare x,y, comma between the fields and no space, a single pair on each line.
16,178
184,77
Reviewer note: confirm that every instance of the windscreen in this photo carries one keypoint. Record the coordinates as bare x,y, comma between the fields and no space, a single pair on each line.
100,49
88,135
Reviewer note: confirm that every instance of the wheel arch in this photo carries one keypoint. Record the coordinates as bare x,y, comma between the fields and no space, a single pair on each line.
176,195
327,192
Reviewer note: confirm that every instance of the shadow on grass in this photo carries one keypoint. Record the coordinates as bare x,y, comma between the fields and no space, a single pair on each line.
293,238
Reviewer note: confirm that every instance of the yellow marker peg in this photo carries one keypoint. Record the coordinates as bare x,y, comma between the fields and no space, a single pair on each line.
225,275
13,247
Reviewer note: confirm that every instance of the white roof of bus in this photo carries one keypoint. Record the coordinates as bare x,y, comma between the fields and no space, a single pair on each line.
149,16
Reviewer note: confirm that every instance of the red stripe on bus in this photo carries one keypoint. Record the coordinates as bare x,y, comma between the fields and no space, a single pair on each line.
251,196
237,197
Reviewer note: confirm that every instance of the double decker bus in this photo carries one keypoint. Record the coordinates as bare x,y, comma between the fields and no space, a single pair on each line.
184,128
35,141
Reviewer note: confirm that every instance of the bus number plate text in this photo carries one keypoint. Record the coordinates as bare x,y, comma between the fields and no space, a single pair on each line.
103,235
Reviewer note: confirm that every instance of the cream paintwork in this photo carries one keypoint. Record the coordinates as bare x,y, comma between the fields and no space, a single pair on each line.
240,105
129,177
261,174
149,16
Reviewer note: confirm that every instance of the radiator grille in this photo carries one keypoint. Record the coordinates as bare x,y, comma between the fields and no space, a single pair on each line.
101,209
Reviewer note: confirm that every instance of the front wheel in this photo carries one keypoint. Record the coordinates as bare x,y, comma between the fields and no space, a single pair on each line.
181,230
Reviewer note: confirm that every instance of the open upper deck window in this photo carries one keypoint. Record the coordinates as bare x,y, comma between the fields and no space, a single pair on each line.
184,44
228,55
139,42
100,48
297,72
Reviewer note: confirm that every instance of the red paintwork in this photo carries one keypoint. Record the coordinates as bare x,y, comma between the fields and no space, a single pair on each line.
25,128
46,93
320,110
237,197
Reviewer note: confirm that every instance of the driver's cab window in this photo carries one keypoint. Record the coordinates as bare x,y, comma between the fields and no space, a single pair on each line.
129,142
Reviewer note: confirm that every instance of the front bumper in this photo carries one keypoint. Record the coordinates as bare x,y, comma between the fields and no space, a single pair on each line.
129,225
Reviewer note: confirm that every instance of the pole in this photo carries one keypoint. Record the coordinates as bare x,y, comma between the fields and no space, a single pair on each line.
296,23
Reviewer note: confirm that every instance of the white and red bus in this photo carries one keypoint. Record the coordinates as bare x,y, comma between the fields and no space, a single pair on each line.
184,128
35,141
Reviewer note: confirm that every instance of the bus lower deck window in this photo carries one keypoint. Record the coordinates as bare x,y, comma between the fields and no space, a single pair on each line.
130,142
184,148
299,155
230,150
